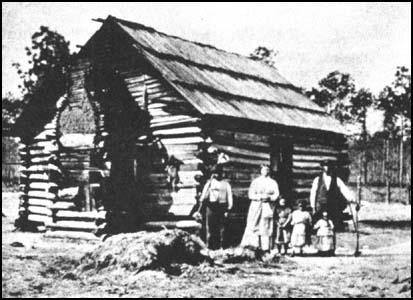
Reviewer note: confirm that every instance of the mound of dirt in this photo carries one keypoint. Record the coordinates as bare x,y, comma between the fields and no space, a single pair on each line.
144,250
241,255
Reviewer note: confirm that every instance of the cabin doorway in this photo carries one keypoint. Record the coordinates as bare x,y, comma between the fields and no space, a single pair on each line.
281,165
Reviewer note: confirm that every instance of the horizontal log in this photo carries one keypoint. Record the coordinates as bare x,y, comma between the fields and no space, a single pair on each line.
39,202
241,151
39,177
80,215
159,225
172,118
171,124
39,210
39,219
73,226
42,185
309,171
306,165
193,130
241,137
245,161
62,205
313,158
41,195
315,150
182,148
187,140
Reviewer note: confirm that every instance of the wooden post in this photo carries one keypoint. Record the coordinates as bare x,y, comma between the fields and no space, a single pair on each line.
365,162
409,189
357,252
388,191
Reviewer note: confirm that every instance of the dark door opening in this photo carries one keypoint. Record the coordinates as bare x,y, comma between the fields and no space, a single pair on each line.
281,165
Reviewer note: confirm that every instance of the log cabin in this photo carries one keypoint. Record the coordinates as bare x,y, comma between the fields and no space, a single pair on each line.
138,98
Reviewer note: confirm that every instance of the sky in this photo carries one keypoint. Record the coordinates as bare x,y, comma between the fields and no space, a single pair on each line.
367,40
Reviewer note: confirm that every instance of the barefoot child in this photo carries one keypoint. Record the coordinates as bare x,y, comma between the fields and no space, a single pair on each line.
325,235
283,220
301,220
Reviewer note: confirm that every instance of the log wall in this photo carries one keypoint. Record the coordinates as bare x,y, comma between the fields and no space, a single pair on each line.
177,126
40,175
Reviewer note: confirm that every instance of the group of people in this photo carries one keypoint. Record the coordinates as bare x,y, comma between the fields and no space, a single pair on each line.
271,222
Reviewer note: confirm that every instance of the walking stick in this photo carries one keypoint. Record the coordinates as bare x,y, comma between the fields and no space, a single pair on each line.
357,252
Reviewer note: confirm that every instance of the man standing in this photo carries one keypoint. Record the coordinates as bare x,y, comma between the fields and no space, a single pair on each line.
217,195
263,193
330,194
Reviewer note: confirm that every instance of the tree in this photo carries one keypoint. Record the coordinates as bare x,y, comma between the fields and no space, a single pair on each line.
395,102
49,57
360,102
334,93
44,81
11,108
264,54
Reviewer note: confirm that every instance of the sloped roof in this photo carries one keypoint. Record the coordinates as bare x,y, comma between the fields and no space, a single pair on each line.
217,82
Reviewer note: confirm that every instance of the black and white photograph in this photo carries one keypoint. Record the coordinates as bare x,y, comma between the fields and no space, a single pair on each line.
206,149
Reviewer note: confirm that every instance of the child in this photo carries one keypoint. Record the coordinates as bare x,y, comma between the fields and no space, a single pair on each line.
325,235
283,220
301,220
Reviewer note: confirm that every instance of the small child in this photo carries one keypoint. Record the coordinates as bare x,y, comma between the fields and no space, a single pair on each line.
301,220
325,235
283,232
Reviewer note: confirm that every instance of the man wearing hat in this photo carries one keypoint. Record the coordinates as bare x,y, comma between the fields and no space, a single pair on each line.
217,195
330,194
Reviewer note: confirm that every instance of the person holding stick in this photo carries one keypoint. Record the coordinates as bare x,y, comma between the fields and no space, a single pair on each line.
329,193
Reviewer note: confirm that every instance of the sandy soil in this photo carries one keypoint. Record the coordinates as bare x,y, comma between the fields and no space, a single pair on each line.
34,266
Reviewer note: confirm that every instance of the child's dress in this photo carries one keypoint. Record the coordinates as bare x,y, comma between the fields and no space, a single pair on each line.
325,235
300,221
283,234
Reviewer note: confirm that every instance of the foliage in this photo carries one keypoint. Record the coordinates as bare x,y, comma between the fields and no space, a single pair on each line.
49,57
334,93
359,105
11,108
395,101
264,54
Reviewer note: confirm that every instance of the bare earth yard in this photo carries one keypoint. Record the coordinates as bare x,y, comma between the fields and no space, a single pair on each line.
34,266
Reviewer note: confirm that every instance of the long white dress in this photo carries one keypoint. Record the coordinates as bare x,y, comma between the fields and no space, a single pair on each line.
260,220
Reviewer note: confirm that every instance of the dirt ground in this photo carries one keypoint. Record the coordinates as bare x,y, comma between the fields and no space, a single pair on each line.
35,266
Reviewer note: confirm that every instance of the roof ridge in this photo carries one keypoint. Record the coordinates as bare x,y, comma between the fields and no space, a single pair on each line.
151,29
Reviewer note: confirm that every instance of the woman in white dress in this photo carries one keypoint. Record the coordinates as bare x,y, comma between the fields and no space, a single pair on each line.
263,193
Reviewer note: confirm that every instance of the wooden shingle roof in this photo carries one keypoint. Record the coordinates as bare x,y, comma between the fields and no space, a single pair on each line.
217,82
